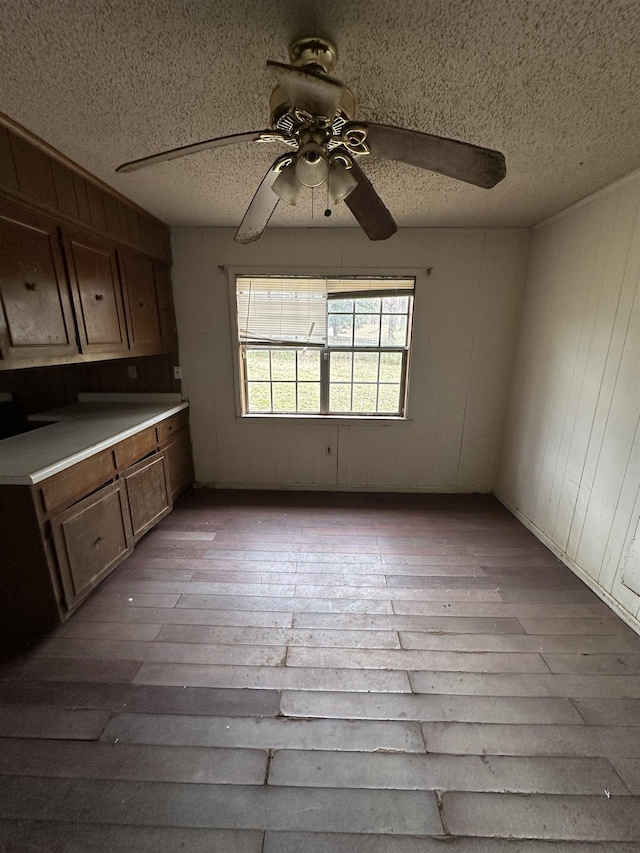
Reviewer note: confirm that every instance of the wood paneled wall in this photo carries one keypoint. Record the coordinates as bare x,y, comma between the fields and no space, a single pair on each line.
570,460
464,331
39,389
32,171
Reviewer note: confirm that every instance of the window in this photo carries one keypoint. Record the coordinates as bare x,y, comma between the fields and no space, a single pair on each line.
324,346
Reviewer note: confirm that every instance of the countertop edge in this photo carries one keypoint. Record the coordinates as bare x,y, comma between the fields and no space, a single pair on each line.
44,473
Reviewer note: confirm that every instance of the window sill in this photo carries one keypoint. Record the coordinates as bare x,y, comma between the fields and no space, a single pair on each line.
348,420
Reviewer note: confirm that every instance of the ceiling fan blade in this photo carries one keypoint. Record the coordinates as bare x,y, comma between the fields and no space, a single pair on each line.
482,167
368,208
260,210
315,93
194,148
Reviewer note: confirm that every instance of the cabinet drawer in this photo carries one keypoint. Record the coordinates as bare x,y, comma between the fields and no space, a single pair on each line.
172,425
90,539
136,447
77,480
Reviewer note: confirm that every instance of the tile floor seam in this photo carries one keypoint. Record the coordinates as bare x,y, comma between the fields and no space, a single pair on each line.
573,701
440,804
617,773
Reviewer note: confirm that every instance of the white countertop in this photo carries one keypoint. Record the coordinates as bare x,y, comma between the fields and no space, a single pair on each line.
94,423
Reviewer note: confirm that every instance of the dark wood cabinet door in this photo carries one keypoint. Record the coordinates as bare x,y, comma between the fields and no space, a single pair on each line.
148,493
36,320
97,294
164,293
178,453
91,538
143,316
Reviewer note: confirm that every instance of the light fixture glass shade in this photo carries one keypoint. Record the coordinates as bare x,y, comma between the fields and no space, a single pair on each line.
312,167
341,182
287,185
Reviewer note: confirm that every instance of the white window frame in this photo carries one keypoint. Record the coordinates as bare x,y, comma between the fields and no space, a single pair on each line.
419,274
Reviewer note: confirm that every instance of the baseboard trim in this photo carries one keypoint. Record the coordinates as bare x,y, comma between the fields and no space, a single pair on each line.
593,585
328,487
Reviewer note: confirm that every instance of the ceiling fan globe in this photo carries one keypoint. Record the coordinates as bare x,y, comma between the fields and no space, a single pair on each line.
341,182
312,165
287,185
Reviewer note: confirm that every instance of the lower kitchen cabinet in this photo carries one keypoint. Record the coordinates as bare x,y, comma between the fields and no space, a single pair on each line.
90,539
175,443
148,493
179,463
62,536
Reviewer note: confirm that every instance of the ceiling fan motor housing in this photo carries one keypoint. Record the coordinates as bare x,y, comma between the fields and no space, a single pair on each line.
319,56
314,53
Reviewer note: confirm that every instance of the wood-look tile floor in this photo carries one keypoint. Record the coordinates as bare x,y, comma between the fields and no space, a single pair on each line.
327,673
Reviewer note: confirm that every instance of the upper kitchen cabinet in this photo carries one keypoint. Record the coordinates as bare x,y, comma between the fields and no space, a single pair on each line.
84,273
143,313
97,294
36,320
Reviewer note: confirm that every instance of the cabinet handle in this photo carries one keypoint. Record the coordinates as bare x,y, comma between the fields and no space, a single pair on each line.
30,285
99,297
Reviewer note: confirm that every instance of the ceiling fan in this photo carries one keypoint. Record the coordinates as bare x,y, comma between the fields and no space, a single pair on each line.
312,113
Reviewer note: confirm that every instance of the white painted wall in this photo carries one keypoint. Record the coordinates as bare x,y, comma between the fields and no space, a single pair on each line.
464,333
570,459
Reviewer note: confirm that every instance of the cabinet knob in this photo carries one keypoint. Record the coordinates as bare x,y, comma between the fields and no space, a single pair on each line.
99,297
98,540
30,285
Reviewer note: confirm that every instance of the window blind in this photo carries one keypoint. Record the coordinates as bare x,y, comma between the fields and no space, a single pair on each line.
352,287
282,310
293,310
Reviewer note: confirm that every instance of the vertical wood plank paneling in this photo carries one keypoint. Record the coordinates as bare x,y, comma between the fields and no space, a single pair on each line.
37,389
459,270
458,312
491,357
82,199
96,207
36,172
621,535
112,216
202,309
600,371
579,297
133,222
614,453
33,167
124,221
8,174
147,235
540,335
572,468
585,288
65,190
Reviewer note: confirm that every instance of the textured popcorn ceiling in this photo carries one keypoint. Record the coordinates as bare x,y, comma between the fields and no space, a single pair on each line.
551,83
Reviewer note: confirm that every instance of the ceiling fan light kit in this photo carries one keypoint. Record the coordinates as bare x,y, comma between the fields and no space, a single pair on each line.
341,181
287,185
313,114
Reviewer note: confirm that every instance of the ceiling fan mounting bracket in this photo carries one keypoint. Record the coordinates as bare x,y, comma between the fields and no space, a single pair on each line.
314,52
